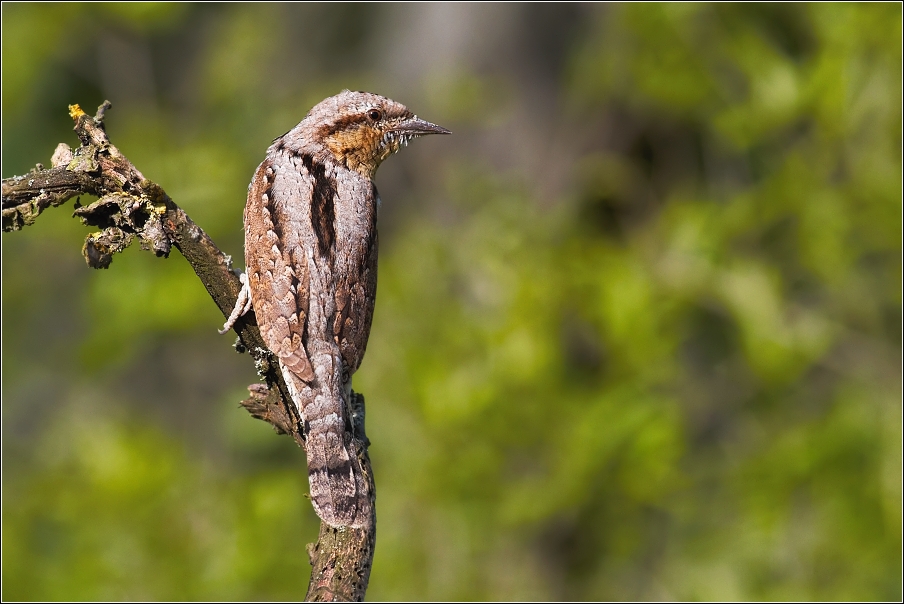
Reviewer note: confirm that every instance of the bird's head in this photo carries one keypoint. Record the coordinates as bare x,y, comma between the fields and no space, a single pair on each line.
361,129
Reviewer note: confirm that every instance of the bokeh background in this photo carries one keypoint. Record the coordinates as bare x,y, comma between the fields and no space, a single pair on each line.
638,330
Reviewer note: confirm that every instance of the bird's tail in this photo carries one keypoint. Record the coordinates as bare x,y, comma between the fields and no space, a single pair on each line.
338,486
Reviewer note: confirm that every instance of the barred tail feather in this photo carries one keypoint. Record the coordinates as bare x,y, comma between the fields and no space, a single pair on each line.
338,486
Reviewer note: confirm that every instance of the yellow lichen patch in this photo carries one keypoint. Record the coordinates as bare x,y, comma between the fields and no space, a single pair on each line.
75,111
157,208
154,199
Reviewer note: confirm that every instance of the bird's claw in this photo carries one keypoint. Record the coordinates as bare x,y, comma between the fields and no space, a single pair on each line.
242,304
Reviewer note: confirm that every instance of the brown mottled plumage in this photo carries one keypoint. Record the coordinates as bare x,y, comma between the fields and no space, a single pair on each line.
311,272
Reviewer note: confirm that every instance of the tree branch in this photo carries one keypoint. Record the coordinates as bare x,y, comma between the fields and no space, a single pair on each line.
129,206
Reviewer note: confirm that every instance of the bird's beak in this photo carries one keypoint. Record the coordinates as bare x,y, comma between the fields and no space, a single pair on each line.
418,127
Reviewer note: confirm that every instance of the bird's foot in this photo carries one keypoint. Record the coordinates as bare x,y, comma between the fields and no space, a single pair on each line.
242,304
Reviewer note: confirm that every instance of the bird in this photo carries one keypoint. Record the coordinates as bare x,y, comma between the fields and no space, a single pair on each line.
310,225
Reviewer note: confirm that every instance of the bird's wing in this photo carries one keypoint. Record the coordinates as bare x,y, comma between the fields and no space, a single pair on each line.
278,280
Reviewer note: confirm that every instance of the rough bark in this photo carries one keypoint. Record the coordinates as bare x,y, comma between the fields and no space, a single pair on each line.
128,207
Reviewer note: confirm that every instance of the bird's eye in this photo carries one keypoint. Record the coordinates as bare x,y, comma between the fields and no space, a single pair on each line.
375,115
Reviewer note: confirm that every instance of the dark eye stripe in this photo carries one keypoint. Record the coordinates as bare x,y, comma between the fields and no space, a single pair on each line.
343,123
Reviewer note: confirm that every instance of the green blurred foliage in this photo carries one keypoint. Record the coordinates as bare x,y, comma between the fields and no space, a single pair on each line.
638,331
